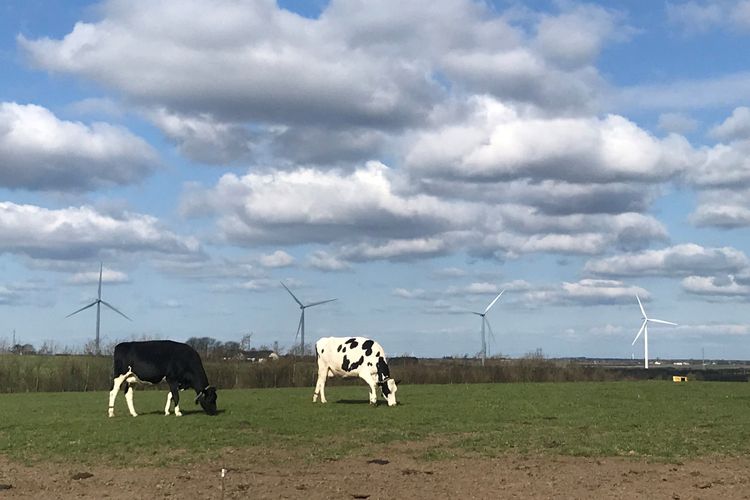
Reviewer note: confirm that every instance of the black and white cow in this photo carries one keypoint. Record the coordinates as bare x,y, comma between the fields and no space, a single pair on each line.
354,357
155,361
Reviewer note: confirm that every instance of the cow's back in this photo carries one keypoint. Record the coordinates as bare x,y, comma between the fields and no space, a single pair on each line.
152,360
349,356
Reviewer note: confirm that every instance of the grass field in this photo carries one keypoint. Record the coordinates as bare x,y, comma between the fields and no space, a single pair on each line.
658,420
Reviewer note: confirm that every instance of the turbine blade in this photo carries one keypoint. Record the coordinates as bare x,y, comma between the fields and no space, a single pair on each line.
290,293
489,328
114,309
478,314
640,331
641,306
663,322
493,302
299,326
101,266
321,302
81,309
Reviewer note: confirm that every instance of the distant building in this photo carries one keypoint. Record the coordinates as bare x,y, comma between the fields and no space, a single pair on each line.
22,349
258,355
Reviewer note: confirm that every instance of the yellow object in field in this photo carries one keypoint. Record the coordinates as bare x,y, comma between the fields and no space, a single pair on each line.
679,378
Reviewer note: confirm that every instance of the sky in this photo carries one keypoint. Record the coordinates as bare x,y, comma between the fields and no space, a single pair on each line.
410,159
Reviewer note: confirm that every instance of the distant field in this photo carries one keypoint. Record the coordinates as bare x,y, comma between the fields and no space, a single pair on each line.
654,419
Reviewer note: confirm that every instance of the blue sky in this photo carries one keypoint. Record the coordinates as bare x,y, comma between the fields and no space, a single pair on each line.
410,160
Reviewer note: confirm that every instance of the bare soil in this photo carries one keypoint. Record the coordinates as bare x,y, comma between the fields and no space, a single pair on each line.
391,473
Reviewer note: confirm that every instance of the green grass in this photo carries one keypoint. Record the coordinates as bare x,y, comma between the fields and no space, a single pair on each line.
658,420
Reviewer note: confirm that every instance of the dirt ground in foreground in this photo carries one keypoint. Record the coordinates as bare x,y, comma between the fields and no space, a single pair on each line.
391,474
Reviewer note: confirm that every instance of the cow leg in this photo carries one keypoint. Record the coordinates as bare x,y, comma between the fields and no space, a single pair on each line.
169,402
129,399
174,390
116,383
320,386
367,377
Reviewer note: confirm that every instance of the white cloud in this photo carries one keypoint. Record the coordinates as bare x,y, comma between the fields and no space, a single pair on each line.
371,214
315,206
575,37
732,89
679,260
695,17
326,262
723,165
724,215
203,139
81,232
497,143
417,293
247,53
277,259
586,292
363,67
741,15
718,286
735,127
38,151
677,123
108,276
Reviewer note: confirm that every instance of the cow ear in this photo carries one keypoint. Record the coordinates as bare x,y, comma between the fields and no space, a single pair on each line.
398,381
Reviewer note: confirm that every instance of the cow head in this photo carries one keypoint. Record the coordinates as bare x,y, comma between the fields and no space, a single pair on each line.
389,388
207,399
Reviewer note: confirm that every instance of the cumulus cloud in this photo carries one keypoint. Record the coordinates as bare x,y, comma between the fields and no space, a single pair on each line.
82,232
721,166
108,276
695,18
586,292
735,127
39,151
723,215
309,205
716,286
324,261
716,92
203,139
357,71
367,215
246,54
16,293
279,258
562,41
679,260
498,143
416,293
677,123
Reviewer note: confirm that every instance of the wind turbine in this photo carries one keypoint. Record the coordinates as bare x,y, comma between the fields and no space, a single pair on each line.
98,302
644,330
301,326
486,322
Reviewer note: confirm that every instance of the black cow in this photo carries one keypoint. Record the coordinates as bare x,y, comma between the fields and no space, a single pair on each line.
155,361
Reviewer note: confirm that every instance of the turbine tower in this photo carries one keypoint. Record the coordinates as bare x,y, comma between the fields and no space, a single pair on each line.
301,325
98,302
644,330
486,322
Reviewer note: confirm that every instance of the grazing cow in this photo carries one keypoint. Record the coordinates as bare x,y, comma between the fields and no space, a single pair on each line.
155,361
354,357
